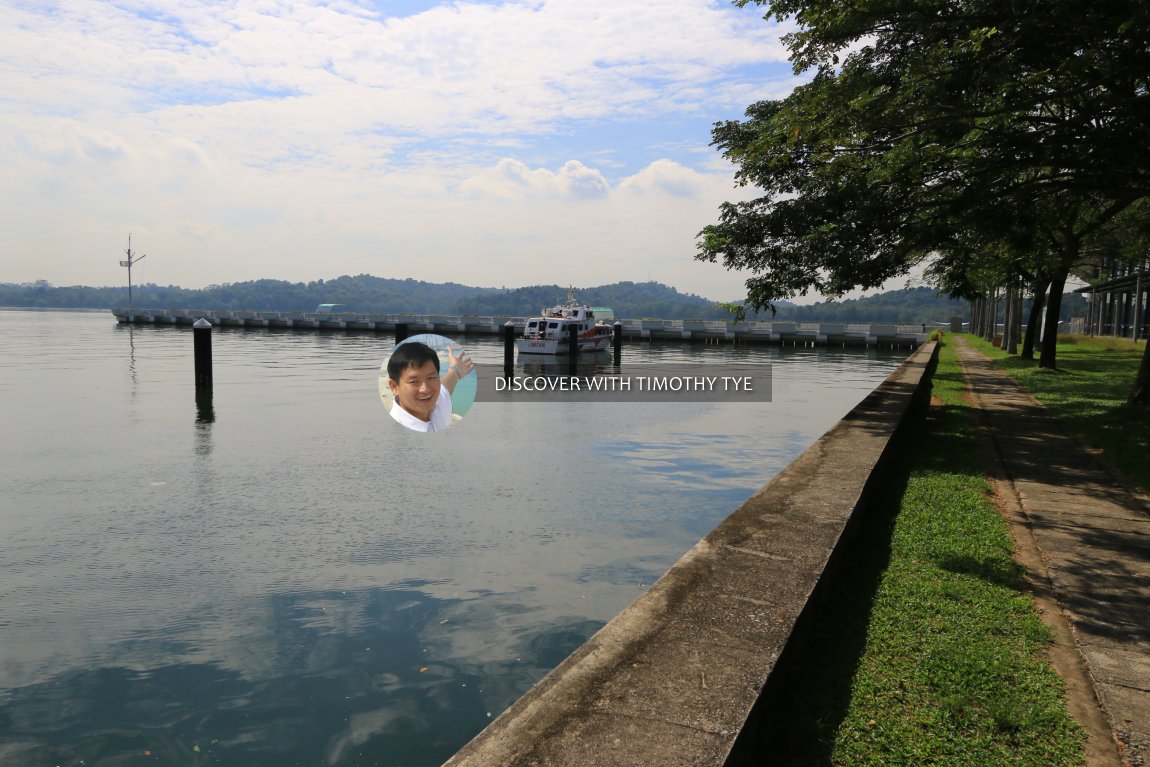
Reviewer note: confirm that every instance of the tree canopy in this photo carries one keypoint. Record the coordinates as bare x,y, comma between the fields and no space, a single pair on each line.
985,132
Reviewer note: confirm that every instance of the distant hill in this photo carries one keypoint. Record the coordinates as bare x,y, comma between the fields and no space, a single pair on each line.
627,299
369,294
366,293
906,306
362,293
909,306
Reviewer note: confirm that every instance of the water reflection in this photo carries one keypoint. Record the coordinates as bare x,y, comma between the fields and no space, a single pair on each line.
555,367
343,678
205,410
132,354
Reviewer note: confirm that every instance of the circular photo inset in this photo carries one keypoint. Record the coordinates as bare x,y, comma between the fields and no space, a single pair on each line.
427,383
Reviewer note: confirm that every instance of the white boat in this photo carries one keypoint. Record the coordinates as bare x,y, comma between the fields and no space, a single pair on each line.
549,334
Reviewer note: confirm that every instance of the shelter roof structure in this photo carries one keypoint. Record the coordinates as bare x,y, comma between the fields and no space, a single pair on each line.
1117,306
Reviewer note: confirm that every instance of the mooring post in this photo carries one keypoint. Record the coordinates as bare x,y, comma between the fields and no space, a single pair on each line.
572,348
508,350
617,341
400,332
205,412
202,345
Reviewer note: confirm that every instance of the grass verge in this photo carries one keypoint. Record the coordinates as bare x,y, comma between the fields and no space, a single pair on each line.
929,650
1088,394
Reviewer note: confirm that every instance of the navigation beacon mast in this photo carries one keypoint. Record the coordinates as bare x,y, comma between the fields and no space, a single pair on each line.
132,259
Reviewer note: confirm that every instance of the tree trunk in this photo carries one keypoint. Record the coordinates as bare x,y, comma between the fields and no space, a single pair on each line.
992,316
1047,359
1036,306
1015,317
1020,299
1140,395
1007,316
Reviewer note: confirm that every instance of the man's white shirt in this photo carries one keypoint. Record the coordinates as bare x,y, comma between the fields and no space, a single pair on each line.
440,416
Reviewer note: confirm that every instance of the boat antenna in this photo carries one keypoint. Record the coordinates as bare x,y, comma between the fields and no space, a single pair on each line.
132,259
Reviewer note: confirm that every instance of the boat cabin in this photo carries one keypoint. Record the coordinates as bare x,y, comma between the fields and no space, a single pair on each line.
546,327
555,321
569,313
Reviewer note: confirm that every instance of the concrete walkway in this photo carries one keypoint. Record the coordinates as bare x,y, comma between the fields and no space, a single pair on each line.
1093,535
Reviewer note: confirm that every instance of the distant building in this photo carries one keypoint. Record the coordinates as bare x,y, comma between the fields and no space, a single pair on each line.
1116,305
330,308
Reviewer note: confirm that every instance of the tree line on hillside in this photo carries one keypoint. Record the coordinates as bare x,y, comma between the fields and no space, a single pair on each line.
367,294
362,293
907,306
377,295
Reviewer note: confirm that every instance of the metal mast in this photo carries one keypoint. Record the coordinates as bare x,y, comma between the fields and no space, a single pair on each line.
132,259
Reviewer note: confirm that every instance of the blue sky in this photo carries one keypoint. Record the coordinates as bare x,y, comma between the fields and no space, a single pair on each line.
489,143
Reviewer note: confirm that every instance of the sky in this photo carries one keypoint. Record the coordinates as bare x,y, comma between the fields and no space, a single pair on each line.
490,143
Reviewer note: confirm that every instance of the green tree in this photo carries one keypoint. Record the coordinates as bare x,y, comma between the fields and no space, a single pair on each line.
927,118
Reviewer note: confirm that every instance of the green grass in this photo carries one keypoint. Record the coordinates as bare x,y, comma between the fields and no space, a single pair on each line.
1088,393
929,650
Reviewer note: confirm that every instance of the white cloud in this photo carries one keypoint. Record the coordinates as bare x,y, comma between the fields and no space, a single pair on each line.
469,67
512,179
667,177
280,128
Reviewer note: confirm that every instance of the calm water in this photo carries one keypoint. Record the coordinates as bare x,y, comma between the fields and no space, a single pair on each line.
285,576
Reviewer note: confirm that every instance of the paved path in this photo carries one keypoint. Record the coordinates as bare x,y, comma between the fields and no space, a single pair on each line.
1093,536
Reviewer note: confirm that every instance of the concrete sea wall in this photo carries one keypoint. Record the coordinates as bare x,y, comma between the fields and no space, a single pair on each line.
672,679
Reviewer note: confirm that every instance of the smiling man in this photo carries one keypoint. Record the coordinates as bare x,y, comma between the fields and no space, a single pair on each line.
422,396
